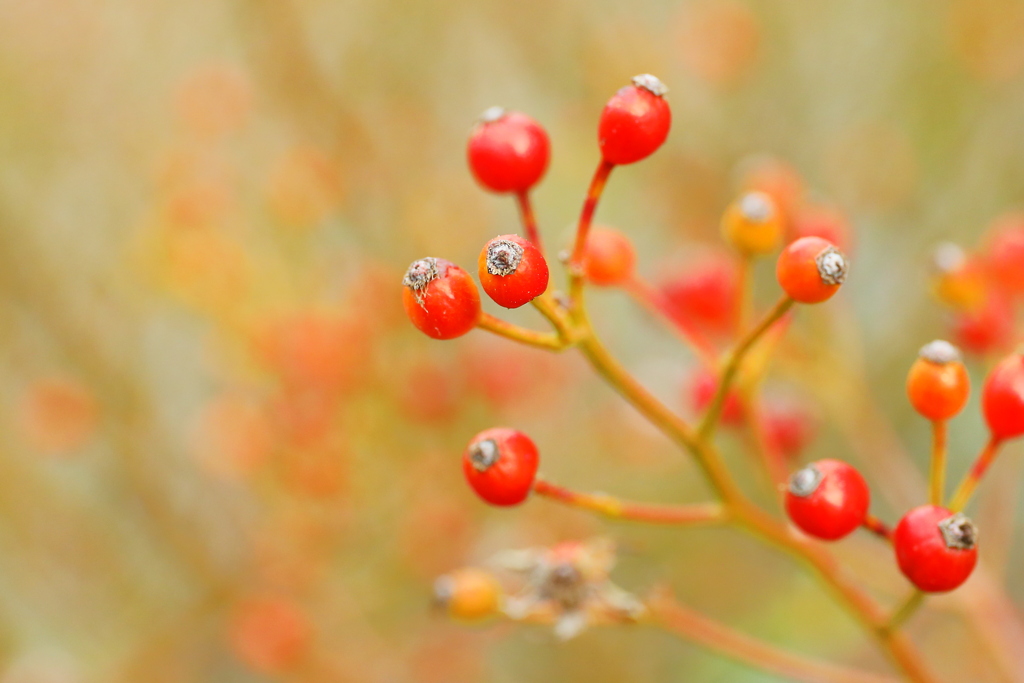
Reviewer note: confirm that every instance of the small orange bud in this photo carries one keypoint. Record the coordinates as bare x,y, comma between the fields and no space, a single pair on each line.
753,224
468,594
938,384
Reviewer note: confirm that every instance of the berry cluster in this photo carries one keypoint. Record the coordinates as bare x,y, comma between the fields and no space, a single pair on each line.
935,545
984,288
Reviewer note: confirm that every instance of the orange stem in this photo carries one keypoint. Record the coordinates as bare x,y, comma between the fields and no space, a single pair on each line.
697,628
528,218
973,478
703,513
877,527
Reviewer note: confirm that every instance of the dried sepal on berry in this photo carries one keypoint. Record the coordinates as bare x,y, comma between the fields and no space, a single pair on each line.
811,269
512,271
827,499
440,298
635,121
753,224
935,548
508,151
938,384
500,464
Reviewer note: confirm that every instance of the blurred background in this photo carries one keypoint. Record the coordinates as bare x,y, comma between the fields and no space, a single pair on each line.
226,456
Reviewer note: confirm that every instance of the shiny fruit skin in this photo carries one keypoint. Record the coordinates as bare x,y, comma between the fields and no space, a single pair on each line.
509,153
836,507
500,465
938,391
443,304
634,124
1002,399
522,282
609,259
811,270
922,554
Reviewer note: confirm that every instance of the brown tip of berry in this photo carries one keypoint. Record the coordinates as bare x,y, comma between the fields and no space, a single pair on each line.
959,532
420,274
832,266
483,454
503,257
940,352
492,114
756,207
651,84
948,257
806,481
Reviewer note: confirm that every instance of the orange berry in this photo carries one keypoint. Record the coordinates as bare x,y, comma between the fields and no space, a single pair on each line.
811,270
959,280
609,259
753,224
938,384
468,594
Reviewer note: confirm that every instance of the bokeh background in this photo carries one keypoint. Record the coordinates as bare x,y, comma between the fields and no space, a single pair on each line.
226,456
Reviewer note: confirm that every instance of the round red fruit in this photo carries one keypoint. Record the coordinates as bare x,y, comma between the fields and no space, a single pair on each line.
500,464
811,269
440,298
1002,400
704,386
513,272
827,499
1005,253
635,121
508,151
935,549
938,383
609,259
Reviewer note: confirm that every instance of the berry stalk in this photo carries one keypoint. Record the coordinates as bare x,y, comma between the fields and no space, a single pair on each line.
732,365
695,627
502,328
905,610
937,478
597,184
970,482
615,508
528,218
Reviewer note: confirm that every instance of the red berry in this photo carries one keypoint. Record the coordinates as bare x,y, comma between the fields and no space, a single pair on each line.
500,464
811,269
609,258
440,298
705,293
513,272
788,429
1004,253
635,121
987,329
1002,400
938,384
827,499
935,548
703,386
508,151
